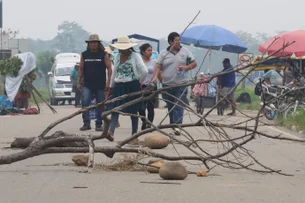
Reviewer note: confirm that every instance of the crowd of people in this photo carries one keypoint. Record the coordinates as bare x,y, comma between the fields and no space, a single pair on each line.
129,72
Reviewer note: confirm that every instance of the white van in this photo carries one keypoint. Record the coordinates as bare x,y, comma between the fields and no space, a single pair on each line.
60,85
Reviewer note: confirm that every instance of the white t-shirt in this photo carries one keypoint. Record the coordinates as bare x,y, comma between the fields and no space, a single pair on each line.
150,67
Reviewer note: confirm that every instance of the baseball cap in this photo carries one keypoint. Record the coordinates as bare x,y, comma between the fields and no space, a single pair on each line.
226,60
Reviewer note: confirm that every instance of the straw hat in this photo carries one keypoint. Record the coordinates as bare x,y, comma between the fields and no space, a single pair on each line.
108,51
123,43
93,38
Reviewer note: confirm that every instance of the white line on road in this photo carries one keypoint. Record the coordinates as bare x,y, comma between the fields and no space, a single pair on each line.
282,132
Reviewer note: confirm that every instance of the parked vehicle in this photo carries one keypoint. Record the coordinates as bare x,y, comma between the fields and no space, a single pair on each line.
60,85
280,100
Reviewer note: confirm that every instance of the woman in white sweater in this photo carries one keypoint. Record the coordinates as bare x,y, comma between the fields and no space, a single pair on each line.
128,74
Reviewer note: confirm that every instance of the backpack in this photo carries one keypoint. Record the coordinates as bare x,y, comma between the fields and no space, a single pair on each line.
257,89
244,98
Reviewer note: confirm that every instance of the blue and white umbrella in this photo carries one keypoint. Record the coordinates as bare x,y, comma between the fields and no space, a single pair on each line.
213,37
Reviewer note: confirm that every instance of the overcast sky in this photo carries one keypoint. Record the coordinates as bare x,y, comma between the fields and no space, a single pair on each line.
156,18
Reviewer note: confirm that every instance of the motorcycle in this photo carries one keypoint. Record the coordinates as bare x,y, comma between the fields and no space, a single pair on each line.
279,100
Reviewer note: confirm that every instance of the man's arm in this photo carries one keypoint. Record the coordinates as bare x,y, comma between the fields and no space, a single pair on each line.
157,73
71,77
191,62
190,66
109,68
160,77
80,71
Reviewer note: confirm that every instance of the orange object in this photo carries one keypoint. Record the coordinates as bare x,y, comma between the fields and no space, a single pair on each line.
202,174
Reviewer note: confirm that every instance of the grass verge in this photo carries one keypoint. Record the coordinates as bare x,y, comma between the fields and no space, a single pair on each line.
44,93
298,121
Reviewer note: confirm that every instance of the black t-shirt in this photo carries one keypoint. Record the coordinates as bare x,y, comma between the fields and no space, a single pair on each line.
94,69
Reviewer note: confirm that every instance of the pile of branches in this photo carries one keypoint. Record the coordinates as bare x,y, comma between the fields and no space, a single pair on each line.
232,152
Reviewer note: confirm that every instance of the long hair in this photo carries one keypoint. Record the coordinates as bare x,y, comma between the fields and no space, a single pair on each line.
100,47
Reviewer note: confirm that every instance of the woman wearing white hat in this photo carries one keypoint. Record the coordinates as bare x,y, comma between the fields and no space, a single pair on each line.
128,74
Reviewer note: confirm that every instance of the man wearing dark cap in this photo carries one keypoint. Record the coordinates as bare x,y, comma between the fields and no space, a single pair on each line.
227,83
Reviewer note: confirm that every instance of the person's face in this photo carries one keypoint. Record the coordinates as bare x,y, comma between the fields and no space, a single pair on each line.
76,68
175,43
148,52
124,52
225,64
93,45
278,68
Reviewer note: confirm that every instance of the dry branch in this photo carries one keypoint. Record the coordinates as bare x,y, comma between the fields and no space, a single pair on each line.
231,151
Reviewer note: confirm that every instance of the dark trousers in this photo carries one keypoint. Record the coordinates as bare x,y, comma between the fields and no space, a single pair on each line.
115,119
87,95
150,106
78,95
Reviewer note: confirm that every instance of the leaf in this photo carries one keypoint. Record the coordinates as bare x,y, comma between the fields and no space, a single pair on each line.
10,67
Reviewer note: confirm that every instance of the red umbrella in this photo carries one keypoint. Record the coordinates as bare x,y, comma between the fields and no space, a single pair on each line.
297,48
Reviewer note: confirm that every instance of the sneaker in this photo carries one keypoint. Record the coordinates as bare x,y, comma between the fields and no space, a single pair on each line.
110,137
85,127
99,128
177,131
143,127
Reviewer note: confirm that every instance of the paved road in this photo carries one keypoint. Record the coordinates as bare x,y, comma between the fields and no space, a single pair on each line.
39,179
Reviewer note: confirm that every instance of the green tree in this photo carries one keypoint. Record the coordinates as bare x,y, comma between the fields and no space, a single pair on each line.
262,37
44,63
250,41
38,45
70,37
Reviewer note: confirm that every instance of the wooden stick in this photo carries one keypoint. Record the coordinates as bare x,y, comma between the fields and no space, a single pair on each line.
40,96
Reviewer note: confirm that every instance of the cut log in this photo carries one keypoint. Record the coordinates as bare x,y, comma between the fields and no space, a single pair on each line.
24,142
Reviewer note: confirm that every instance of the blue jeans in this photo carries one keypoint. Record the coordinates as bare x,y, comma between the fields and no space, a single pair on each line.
87,95
176,114
114,121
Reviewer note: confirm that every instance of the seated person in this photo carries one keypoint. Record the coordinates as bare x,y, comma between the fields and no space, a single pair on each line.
274,77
